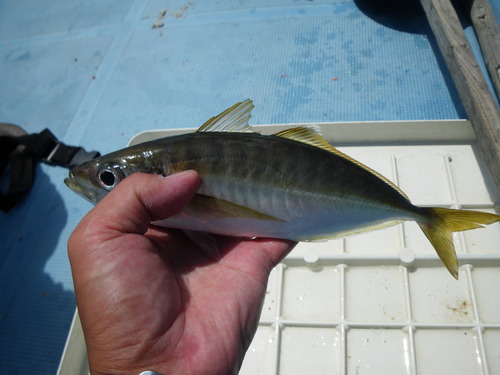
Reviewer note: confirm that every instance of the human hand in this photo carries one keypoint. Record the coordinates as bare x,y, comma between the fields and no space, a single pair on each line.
150,299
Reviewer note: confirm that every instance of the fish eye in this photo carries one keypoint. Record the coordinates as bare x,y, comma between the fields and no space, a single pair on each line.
108,178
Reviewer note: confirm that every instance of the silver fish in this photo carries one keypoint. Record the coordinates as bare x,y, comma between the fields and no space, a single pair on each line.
291,185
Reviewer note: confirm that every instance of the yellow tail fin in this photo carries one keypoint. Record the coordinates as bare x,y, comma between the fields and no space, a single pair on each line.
443,222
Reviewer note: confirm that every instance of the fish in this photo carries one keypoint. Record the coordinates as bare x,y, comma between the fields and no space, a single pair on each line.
289,185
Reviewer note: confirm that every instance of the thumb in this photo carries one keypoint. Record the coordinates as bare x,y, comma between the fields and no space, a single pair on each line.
136,201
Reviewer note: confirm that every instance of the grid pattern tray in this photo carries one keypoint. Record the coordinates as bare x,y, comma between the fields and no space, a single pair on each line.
381,302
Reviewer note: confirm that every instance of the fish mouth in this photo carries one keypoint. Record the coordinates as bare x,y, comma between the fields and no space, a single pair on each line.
80,186
71,182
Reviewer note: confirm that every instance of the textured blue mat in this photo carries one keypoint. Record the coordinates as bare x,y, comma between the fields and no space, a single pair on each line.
96,73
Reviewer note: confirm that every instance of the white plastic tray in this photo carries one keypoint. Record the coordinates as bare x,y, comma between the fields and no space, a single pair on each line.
381,303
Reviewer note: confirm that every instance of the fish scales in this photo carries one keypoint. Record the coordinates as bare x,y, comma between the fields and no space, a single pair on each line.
311,193
291,185
229,170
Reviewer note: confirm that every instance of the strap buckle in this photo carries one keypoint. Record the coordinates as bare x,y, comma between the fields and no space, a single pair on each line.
51,151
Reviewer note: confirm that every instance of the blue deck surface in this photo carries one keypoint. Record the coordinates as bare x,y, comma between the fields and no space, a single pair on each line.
96,73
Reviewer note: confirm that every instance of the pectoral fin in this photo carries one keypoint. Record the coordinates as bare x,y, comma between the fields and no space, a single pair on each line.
210,207
206,242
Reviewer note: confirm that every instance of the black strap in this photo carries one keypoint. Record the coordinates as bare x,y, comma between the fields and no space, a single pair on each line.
20,152
48,149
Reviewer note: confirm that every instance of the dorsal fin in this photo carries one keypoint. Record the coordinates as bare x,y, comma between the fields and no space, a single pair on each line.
233,119
312,138
307,135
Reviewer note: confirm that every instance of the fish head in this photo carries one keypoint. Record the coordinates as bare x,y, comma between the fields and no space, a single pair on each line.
94,179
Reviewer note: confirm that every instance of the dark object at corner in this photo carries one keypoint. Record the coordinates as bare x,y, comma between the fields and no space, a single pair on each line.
19,153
